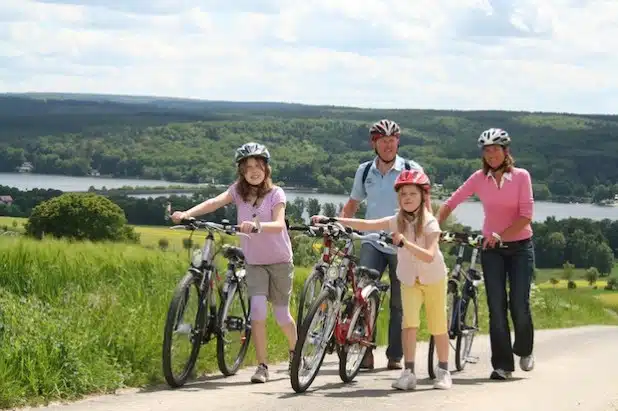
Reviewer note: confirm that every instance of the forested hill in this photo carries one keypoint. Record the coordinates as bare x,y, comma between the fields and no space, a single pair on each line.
569,156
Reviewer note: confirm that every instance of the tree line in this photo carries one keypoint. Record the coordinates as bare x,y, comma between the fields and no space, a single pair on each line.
582,242
570,157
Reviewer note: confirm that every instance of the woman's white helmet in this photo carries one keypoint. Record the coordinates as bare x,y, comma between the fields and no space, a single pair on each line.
493,136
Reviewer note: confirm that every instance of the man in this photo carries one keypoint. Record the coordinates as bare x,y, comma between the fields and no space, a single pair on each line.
374,182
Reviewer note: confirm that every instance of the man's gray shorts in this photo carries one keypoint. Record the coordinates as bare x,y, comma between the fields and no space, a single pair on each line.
271,280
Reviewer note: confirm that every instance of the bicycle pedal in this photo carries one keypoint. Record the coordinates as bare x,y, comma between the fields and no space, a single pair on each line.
472,359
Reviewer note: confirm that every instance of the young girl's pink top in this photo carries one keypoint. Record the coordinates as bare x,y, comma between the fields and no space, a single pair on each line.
263,248
502,205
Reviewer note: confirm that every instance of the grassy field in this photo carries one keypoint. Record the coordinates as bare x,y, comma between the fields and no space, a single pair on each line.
149,235
82,318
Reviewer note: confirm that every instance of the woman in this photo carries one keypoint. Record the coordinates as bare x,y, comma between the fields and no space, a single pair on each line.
508,253
268,253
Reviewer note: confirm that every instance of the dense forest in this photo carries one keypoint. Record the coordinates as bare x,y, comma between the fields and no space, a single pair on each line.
570,157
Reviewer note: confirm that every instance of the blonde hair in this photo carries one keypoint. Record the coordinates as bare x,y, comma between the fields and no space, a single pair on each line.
244,189
404,218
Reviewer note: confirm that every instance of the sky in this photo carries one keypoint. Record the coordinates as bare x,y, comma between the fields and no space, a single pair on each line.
534,55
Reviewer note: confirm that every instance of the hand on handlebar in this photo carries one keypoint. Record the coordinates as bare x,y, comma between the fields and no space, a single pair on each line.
320,219
398,239
247,227
179,216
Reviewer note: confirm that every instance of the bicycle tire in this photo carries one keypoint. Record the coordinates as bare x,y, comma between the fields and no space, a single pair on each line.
461,357
343,350
224,307
183,286
300,342
316,275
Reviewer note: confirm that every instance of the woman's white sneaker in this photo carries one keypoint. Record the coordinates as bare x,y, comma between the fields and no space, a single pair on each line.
527,363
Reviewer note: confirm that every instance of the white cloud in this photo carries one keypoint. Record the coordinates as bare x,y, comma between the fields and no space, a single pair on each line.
551,55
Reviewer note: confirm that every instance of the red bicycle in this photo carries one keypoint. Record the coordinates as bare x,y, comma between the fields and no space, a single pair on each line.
343,316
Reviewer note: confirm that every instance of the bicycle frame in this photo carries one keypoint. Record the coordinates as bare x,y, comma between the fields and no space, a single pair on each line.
346,275
202,266
471,280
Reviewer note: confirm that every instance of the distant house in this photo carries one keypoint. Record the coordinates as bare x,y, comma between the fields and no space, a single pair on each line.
26,167
8,200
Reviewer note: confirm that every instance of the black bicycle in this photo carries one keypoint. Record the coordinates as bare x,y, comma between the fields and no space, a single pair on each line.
205,319
462,305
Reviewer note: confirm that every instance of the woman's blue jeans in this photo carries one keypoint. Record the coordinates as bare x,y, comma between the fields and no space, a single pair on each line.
513,265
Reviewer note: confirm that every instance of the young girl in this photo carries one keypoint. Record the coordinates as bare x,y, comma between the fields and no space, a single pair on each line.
268,254
421,270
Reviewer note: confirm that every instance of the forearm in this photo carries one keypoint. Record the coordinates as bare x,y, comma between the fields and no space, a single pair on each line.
349,210
272,226
443,213
357,223
516,227
206,207
421,253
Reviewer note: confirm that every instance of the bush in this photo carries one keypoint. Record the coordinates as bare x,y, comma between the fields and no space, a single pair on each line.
554,281
612,284
187,243
80,216
571,285
164,243
592,275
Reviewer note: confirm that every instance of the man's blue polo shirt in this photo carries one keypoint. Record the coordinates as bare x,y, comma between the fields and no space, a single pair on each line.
379,192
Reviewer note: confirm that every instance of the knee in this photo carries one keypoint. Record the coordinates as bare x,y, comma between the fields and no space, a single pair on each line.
283,315
258,308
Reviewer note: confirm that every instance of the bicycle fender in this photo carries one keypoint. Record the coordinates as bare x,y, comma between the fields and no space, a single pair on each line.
367,290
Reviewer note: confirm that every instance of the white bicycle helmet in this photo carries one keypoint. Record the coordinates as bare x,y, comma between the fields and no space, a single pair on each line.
384,128
493,136
251,150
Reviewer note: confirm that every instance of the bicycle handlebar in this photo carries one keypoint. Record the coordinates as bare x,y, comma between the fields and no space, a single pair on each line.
331,227
473,240
224,226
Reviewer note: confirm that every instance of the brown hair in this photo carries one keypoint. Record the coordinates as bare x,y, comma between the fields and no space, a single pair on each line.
404,218
245,190
509,163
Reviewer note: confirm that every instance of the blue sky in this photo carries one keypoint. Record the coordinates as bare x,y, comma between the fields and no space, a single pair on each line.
543,55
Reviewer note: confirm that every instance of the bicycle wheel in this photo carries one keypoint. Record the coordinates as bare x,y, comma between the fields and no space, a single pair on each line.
316,330
311,289
432,357
358,329
175,326
234,319
469,327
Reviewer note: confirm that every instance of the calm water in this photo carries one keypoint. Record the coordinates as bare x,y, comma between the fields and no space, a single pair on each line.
469,213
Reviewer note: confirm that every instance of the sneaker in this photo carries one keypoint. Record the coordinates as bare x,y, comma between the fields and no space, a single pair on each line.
261,374
407,381
291,358
443,379
500,374
527,363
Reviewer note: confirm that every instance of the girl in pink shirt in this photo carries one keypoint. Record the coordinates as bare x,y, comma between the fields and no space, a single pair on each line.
268,253
420,269
505,192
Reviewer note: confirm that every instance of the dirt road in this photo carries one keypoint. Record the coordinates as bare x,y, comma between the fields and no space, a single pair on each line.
577,369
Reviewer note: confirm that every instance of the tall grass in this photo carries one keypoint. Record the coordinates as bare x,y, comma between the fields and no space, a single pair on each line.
81,318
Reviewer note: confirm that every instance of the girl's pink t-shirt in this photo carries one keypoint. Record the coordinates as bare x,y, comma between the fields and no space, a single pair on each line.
263,248
501,205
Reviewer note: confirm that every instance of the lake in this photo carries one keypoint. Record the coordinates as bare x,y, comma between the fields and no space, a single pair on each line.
468,213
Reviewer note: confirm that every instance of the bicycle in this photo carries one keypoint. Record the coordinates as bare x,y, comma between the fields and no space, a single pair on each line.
461,300
315,280
209,320
350,319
